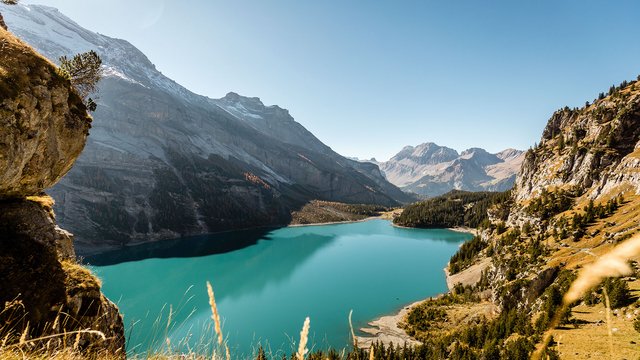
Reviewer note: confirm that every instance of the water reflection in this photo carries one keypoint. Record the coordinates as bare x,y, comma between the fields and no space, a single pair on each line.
186,247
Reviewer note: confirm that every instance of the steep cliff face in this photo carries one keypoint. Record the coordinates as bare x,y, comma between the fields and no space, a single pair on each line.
592,152
44,126
163,162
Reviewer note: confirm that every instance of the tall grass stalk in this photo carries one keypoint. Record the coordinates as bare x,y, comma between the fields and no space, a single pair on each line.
353,334
215,316
608,315
304,337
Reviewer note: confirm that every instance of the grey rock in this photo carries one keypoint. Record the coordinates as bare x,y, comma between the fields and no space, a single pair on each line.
431,170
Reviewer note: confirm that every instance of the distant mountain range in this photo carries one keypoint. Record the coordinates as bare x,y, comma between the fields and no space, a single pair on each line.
431,170
162,162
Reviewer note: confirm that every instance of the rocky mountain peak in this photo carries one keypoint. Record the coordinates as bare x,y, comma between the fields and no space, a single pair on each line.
237,98
426,153
252,108
430,169
480,157
509,154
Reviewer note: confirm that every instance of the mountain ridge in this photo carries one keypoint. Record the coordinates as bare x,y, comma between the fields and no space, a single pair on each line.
163,162
429,169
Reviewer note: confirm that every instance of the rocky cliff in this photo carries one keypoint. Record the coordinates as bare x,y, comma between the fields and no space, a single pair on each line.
577,191
43,291
591,153
575,199
431,170
163,162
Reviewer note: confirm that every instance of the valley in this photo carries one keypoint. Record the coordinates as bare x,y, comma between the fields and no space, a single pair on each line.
124,206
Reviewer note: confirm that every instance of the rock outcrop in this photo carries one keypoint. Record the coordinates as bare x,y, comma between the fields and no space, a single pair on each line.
43,291
593,152
44,123
577,191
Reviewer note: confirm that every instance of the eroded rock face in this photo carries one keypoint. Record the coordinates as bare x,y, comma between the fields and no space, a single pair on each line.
43,291
44,123
41,285
35,221
594,151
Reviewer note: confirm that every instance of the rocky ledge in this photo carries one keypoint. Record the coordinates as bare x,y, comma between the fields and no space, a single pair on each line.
46,298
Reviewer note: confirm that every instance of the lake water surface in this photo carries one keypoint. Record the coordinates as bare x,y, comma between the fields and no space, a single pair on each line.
271,280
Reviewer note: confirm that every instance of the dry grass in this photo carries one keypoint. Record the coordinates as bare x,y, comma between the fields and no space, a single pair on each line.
354,338
64,345
304,337
45,201
615,263
215,316
79,278
591,340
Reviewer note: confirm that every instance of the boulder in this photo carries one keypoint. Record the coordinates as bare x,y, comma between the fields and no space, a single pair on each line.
43,120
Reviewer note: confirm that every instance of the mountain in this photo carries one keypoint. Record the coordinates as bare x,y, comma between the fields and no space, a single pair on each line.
431,170
162,162
561,248
584,154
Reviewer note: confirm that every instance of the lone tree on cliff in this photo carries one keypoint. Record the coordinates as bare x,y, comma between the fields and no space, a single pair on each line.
84,72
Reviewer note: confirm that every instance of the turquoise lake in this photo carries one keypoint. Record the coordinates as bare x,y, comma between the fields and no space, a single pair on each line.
267,281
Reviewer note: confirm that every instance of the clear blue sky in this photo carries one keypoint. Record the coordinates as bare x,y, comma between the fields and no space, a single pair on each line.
368,77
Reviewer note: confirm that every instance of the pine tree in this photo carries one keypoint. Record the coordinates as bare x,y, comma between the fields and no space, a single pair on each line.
83,70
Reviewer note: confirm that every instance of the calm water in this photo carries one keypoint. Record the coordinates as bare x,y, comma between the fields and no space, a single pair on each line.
266,288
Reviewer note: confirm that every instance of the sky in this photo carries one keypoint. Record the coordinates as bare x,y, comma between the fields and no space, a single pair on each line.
369,77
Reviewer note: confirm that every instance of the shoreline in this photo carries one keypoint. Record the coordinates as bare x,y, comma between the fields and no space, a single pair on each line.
385,328
379,217
460,229
464,229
